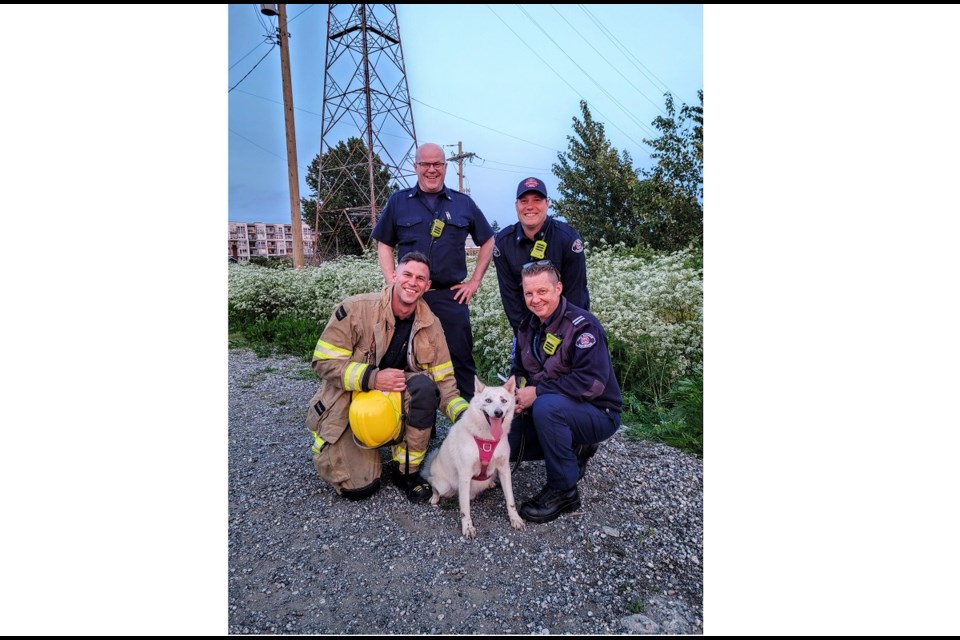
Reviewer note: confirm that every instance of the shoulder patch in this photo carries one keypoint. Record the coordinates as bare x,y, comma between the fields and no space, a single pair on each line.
578,320
496,251
585,341
341,313
577,246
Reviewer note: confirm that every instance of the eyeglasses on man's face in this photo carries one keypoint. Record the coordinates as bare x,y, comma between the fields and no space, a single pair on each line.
431,165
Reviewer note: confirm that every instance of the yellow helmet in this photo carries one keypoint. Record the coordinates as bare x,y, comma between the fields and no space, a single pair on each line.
375,418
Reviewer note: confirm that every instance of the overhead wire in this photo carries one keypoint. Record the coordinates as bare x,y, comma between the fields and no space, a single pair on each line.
612,66
262,148
503,133
251,70
564,80
626,52
602,89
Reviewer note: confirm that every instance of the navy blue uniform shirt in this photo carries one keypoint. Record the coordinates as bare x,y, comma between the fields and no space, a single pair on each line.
511,250
568,354
406,222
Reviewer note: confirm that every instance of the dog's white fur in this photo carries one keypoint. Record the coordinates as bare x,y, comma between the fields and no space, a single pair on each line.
450,470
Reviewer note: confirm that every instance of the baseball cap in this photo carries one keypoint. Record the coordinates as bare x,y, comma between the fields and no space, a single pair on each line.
531,184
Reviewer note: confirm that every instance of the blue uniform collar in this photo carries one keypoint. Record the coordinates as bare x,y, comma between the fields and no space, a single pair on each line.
415,191
539,235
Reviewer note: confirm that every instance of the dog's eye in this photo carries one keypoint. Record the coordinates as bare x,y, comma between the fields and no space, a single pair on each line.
487,400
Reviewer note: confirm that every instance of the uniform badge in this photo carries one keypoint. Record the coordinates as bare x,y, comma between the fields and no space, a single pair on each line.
577,246
550,344
539,250
585,341
341,313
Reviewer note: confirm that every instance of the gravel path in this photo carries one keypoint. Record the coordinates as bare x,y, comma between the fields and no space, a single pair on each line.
302,560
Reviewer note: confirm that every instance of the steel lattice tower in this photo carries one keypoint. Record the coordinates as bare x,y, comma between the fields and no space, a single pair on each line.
365,96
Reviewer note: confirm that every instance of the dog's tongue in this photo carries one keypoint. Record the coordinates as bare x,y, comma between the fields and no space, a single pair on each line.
496,427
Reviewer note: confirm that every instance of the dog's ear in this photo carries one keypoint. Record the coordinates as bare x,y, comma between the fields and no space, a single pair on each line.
478,386
510,385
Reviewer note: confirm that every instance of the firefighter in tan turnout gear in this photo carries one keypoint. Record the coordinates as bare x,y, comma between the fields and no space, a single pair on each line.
386,370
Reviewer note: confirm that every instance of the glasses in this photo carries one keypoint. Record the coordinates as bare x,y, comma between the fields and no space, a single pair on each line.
431,165
538,263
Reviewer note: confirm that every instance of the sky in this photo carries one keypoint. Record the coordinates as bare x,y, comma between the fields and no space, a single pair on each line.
504,80
830,321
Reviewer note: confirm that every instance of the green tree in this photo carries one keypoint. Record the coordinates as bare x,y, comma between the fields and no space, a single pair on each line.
344,188
597,185
670,199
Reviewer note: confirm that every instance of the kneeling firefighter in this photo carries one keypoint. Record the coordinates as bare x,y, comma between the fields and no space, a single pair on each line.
386,370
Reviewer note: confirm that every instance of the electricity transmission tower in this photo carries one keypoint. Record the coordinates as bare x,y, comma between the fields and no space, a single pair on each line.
365,96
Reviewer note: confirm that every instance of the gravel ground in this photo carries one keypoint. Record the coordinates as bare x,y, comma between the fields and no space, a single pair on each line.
302,560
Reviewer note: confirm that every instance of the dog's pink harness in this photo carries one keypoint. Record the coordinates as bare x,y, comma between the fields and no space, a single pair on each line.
486,448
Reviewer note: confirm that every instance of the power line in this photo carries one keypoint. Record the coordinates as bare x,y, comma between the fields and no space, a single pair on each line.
607,61
302,110
246,54
480,166
264,149
572,88
503,133
251,70
301,13
626,52
603,89
507,164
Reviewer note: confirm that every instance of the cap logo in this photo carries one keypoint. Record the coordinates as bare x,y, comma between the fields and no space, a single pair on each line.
530,183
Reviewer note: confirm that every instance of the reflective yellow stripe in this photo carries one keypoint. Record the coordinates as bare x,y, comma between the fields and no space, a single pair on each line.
400,455
318,442
352,376
327,351
455,407
441,371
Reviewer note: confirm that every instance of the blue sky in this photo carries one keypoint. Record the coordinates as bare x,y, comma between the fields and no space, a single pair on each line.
505,80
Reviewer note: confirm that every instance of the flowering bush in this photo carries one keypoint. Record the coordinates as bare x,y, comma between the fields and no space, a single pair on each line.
651,308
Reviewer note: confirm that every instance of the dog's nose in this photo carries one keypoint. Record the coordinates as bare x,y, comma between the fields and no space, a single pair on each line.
498,413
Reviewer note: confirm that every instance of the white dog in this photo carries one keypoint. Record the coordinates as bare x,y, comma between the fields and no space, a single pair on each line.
474,452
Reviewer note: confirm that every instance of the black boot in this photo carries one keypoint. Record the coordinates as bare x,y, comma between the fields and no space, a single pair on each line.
584,452
550,504
412,484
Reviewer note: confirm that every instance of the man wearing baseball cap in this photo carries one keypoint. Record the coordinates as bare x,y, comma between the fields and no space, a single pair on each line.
537,237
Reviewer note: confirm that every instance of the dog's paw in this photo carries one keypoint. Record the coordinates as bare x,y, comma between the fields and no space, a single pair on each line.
468,530
435,498
517,522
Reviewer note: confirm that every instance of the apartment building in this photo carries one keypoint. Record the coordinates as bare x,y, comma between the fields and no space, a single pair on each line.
248,239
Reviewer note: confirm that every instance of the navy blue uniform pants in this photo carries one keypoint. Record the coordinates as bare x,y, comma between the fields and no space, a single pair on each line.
455,320
553,427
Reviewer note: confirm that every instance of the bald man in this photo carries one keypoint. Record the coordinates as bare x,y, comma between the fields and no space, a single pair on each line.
435,220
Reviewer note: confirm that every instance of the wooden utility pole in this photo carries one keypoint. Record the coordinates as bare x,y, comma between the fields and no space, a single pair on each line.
291,140
459,158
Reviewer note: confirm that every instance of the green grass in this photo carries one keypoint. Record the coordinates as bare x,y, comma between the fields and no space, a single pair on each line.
635,607
281,335
677,421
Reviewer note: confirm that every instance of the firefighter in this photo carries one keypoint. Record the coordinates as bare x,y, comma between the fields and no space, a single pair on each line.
386,370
